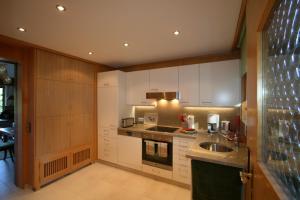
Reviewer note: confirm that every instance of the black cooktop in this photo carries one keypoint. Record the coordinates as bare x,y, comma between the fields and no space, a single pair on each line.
162,129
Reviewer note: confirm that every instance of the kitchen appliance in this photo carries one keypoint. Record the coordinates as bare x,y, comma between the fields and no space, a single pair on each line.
191,121
127,122
225,125
162,95
213,123
162,129
157,150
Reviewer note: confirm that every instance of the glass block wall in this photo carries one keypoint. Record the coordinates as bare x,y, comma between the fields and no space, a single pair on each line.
281,94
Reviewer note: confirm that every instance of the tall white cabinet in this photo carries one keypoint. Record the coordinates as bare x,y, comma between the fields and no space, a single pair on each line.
111,105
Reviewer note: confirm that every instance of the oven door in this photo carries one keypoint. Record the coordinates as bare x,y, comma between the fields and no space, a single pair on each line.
158,153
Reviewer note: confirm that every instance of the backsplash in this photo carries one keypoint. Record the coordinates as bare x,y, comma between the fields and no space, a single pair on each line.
168,113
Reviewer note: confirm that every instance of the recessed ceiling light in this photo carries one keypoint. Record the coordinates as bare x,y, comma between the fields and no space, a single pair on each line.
176,32
90,53
126,44
21,29
60,8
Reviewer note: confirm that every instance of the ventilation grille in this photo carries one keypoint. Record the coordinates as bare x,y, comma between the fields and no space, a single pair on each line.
81,156
55,166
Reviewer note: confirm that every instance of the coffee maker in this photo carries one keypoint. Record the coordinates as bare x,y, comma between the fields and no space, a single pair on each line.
213,123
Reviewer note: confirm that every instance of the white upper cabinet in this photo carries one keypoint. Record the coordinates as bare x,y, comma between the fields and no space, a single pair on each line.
108,79
189,85
137,84
164,79
220,83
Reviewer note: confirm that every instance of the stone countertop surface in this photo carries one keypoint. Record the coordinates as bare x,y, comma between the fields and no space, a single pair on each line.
236,158
142,128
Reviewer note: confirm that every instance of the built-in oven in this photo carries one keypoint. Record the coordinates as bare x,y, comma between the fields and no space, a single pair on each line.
158,150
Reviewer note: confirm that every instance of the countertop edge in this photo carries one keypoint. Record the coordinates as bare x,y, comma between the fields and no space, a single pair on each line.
219,162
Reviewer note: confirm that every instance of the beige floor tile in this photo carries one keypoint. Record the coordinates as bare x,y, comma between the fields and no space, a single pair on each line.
96,182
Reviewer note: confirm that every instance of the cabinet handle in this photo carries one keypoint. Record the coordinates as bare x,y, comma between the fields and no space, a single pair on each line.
206,102
106,84
154,89
129,133
184,102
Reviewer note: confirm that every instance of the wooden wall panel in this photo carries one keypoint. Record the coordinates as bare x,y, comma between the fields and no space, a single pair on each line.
65,107
255,12
52,135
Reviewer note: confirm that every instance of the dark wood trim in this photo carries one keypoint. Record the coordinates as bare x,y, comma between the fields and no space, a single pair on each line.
239,25
267,14
183,61
22,57
19,43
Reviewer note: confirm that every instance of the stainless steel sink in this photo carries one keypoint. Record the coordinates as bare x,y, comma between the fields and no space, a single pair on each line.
216,147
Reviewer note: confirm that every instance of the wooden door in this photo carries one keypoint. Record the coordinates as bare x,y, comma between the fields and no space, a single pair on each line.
260,186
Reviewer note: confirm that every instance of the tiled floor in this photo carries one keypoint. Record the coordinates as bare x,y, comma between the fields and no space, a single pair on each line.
97,182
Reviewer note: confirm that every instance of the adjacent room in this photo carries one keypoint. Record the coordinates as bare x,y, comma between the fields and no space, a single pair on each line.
150,100
7,121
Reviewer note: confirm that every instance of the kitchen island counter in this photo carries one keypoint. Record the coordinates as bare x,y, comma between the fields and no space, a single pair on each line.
236,158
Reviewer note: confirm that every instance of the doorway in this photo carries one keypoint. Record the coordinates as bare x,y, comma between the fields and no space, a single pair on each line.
8,119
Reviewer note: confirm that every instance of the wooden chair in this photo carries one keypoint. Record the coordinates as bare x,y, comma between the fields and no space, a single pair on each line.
7,146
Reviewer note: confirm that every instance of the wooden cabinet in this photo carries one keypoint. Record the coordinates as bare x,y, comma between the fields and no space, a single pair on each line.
181,164
164,79
215,181
137,84
189,85
130,151
220,83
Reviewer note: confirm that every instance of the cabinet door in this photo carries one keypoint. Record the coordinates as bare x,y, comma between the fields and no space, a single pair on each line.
130,151
220,83
108,79
108,107
189,85
228,83
164,79
137,84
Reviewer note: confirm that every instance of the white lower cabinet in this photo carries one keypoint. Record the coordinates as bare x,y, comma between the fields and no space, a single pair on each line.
181,164
157,171
107,144
130,151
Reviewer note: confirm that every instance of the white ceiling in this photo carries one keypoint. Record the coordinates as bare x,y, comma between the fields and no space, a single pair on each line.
102,26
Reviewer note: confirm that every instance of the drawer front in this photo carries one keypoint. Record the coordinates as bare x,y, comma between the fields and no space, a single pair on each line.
107,148
181,164
157,171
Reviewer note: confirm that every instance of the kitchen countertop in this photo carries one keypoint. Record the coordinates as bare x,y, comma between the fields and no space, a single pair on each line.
142,128
236,158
